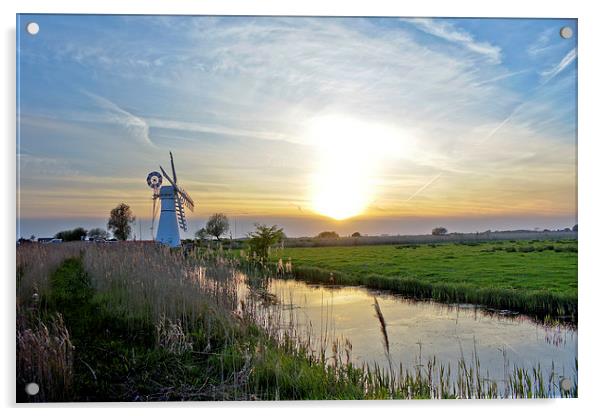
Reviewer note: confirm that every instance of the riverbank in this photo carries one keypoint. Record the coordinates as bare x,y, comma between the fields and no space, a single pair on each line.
139,323
538,278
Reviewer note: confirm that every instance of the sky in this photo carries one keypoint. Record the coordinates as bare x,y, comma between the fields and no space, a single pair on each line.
376,125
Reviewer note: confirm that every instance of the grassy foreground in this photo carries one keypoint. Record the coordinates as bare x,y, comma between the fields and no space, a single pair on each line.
133,322
99,328
534,277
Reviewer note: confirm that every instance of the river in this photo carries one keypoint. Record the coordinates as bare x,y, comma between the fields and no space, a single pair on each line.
421,330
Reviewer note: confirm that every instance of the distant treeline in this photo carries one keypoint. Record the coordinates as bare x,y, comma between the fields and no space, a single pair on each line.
433,239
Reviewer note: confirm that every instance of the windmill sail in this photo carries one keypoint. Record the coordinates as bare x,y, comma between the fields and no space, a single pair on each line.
180,214
187,200
173,169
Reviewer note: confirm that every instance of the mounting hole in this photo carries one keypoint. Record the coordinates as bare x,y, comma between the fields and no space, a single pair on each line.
566,32
565,384
32,389
32,28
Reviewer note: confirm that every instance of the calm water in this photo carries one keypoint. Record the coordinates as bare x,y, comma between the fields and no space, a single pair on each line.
419,330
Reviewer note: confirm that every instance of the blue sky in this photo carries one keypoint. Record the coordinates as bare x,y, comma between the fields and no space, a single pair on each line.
469,121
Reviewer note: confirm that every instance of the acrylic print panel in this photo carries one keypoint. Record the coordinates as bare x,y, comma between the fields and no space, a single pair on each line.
295,208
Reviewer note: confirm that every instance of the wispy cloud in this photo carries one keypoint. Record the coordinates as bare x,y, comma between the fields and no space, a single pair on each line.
546,76
136,125
550,73
213,129
233,99
31,165
449,32
542,42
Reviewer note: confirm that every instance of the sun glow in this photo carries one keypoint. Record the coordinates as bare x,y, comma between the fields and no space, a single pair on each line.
350,153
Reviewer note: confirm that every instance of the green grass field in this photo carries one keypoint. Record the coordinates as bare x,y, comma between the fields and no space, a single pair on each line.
510,269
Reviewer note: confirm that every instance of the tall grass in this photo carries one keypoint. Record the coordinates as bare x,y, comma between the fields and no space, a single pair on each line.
44,357
35,264
210,337
134,292
385,334
153,282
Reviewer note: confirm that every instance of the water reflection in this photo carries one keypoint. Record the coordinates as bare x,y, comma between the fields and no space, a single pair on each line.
419,330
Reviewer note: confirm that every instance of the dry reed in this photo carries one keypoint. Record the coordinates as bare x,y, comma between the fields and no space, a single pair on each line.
45,357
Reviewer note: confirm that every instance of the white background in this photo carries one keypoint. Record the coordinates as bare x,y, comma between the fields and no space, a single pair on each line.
590,209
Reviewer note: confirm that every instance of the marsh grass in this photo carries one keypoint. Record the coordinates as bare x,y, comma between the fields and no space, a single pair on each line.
383,330
149,323
45,357
35,264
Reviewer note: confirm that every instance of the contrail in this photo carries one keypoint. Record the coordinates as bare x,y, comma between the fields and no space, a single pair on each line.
423,187
502,123
547,76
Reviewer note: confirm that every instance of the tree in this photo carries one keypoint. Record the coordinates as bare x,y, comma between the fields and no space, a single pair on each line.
262,239
328,234
575,227
120,220
217,225
439,231
71,235
98,233
201,234
356,234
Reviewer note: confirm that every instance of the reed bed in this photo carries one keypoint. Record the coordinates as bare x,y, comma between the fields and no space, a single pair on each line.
150,323
45,357
156,283
35,264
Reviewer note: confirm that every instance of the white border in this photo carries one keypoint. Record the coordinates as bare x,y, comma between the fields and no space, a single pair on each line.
590,207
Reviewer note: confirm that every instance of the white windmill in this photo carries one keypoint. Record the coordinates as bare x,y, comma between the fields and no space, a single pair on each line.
173,200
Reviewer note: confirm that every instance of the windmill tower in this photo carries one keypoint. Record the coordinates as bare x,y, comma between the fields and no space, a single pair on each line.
173,200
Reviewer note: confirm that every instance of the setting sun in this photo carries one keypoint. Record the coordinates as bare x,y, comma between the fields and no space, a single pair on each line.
349,155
